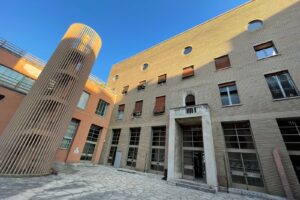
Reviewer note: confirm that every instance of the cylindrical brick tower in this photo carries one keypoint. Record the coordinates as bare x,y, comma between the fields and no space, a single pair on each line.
29,142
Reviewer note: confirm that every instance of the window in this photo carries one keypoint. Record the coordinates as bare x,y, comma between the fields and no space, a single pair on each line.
190,100
141,86
133,146
102,108
91,142
242,157
125,89
229,94
145,66
15,80
71,131
290,131
83,100
281,85
265,50
222,62
245,169
114,146
1,97
238,135
159,107
255,25
116,77
187,50
138,109
158,148
162,79
121,110
188,72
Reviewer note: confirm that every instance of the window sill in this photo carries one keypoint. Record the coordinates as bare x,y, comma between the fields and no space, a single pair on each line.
268,57
233,105
222,69
187,77
158,114
161,84
286,98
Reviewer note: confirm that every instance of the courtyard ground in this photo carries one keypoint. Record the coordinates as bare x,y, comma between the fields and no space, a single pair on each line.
101,182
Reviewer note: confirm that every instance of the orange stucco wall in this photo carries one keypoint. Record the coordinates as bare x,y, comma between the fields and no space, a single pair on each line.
87,117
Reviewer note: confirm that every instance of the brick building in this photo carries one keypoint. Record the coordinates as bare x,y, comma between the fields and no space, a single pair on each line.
212,105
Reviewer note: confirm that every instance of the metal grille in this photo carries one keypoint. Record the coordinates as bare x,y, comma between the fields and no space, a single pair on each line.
29,142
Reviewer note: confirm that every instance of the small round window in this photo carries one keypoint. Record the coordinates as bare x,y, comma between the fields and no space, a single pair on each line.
255,25
187,50
145,66
116,77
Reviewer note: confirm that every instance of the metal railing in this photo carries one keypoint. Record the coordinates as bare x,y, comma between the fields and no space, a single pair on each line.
188,110
15,84
10,47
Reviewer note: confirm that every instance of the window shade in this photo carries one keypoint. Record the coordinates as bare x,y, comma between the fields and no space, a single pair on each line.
227,84
162,78
138,107
222,62
263,46
121,108
159,105
188,71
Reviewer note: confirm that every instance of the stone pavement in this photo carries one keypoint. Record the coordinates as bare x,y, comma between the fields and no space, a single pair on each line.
101,182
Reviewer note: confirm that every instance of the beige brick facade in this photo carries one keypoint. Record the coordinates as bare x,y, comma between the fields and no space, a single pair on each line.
226,34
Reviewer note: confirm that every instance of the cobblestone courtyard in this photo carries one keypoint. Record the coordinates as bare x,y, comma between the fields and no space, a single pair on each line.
100,182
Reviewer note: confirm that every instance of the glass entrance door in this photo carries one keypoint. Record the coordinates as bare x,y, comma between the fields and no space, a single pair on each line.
193,153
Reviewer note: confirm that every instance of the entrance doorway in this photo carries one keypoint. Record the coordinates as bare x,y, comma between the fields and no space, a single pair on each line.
193,153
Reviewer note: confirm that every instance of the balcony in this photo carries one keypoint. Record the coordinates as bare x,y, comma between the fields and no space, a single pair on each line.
189,111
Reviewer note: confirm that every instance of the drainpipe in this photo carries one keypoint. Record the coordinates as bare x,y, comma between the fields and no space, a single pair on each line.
282,175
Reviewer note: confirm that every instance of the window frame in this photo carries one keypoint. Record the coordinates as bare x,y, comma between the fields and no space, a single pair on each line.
68,138
86,103
264,50
228,92
279,84
104,108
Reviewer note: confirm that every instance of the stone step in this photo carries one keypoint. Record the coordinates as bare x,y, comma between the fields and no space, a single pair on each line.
194,185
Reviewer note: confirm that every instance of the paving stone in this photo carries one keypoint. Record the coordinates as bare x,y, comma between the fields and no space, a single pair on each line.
101,182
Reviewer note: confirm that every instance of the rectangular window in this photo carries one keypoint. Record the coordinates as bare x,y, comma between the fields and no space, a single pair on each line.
102,108
245,169
238,135
159,107
91,142
222,62
229,94
162,79
114,146
125,89
158,148
242,157
188,72
141,86
138,109
133,146
121,110
290,131
69,135
281,85
15,80
83,100
265,50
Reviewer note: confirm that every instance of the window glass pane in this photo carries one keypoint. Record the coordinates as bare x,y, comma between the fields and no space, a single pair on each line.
255,25
83,100
260,54
270,51
274,87
225,99
72,128
234,98
287,85
102,108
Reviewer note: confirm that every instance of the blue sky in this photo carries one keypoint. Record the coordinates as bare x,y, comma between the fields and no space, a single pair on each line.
126,27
